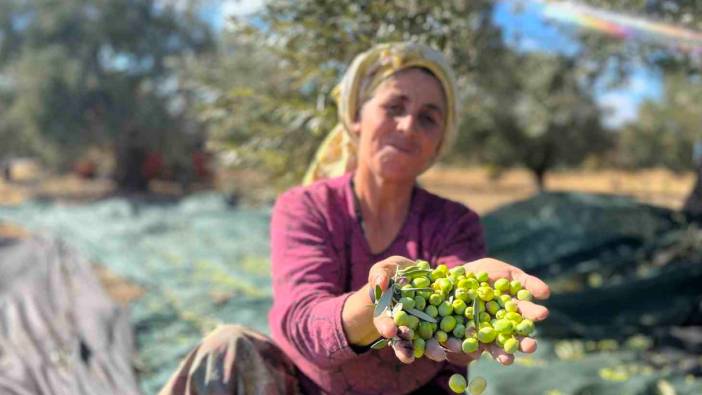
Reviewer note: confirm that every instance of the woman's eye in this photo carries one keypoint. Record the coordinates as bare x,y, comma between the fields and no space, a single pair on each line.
428,120
394,109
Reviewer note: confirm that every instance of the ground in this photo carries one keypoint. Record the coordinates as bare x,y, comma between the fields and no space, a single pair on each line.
472,186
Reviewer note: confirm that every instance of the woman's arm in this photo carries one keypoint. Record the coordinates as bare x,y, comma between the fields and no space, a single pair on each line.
308,284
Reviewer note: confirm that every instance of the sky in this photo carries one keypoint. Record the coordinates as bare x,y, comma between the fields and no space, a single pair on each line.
525,28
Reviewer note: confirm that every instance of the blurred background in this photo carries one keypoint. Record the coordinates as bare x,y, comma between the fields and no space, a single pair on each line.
152,136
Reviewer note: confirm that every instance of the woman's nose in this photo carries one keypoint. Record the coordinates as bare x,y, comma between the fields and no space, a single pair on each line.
407,123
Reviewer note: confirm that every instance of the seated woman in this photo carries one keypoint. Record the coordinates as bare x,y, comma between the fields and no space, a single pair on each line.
360,218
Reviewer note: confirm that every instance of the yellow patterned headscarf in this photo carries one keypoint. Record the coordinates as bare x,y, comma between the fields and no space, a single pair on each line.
337,154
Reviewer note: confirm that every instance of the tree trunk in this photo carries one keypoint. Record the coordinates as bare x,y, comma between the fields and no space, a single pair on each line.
540,178
129,158
693,204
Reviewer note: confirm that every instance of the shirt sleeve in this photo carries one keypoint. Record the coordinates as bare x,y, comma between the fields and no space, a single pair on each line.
464,240
308,284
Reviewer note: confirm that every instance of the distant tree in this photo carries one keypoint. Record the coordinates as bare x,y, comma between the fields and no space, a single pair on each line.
626,54
666,130
539,115
77,73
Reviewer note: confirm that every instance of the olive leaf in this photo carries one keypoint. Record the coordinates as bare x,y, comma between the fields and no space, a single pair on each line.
422,315
412,270
384,302
378,293
380,344
476,318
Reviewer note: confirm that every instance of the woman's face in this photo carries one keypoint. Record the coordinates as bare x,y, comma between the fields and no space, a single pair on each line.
401,127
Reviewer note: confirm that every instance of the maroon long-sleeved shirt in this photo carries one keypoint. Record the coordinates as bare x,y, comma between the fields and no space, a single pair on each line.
320,255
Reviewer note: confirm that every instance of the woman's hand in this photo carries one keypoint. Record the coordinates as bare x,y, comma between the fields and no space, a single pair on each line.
360,326
498,269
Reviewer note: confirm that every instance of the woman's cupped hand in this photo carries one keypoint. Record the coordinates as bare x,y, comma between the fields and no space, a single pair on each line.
381,273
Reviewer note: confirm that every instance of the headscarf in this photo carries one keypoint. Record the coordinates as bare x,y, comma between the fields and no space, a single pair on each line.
337,153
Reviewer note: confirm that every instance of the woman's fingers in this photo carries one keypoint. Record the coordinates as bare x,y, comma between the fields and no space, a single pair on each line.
385,326
532,311
500,355
460,359
403,350
455,353
538,288
382,272
527,344
405,332
434,351
498,269
453,345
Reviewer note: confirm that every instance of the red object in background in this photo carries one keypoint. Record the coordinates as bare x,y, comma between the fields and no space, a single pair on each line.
201,164
152,165
85,168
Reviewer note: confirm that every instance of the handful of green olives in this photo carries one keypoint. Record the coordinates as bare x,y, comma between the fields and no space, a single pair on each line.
443,303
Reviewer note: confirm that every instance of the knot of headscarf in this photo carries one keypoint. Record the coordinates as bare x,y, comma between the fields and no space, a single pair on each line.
337,153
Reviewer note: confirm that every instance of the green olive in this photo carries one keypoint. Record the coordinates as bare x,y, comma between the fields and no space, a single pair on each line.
401,318
468,313
525,327
436,299
419,302
459,331
425,331
477,386
492,307
407,303
514,287
441,337
432,311
523,294
445,309
482,277
407,293
457,383
511,345
486,335
444,284
501,284
459,306
485,293
504,326
421,282
413,322
470,345
514,317
447,324
419,346
511,306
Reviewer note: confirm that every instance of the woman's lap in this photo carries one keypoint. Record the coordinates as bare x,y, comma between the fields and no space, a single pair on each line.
234,360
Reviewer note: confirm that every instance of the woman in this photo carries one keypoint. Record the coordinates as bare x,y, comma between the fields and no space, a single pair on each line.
362,217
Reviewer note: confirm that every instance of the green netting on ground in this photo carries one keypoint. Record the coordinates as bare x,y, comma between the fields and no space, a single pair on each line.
617,372
202,262
615,265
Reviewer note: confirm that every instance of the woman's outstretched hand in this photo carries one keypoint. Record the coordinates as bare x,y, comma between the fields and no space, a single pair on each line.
380,275
535,312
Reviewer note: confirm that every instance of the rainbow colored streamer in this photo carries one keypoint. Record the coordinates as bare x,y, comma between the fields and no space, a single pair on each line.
623,26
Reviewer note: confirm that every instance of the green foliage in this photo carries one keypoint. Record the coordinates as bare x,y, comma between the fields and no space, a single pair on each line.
79,73
276,108
666,130
538,115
